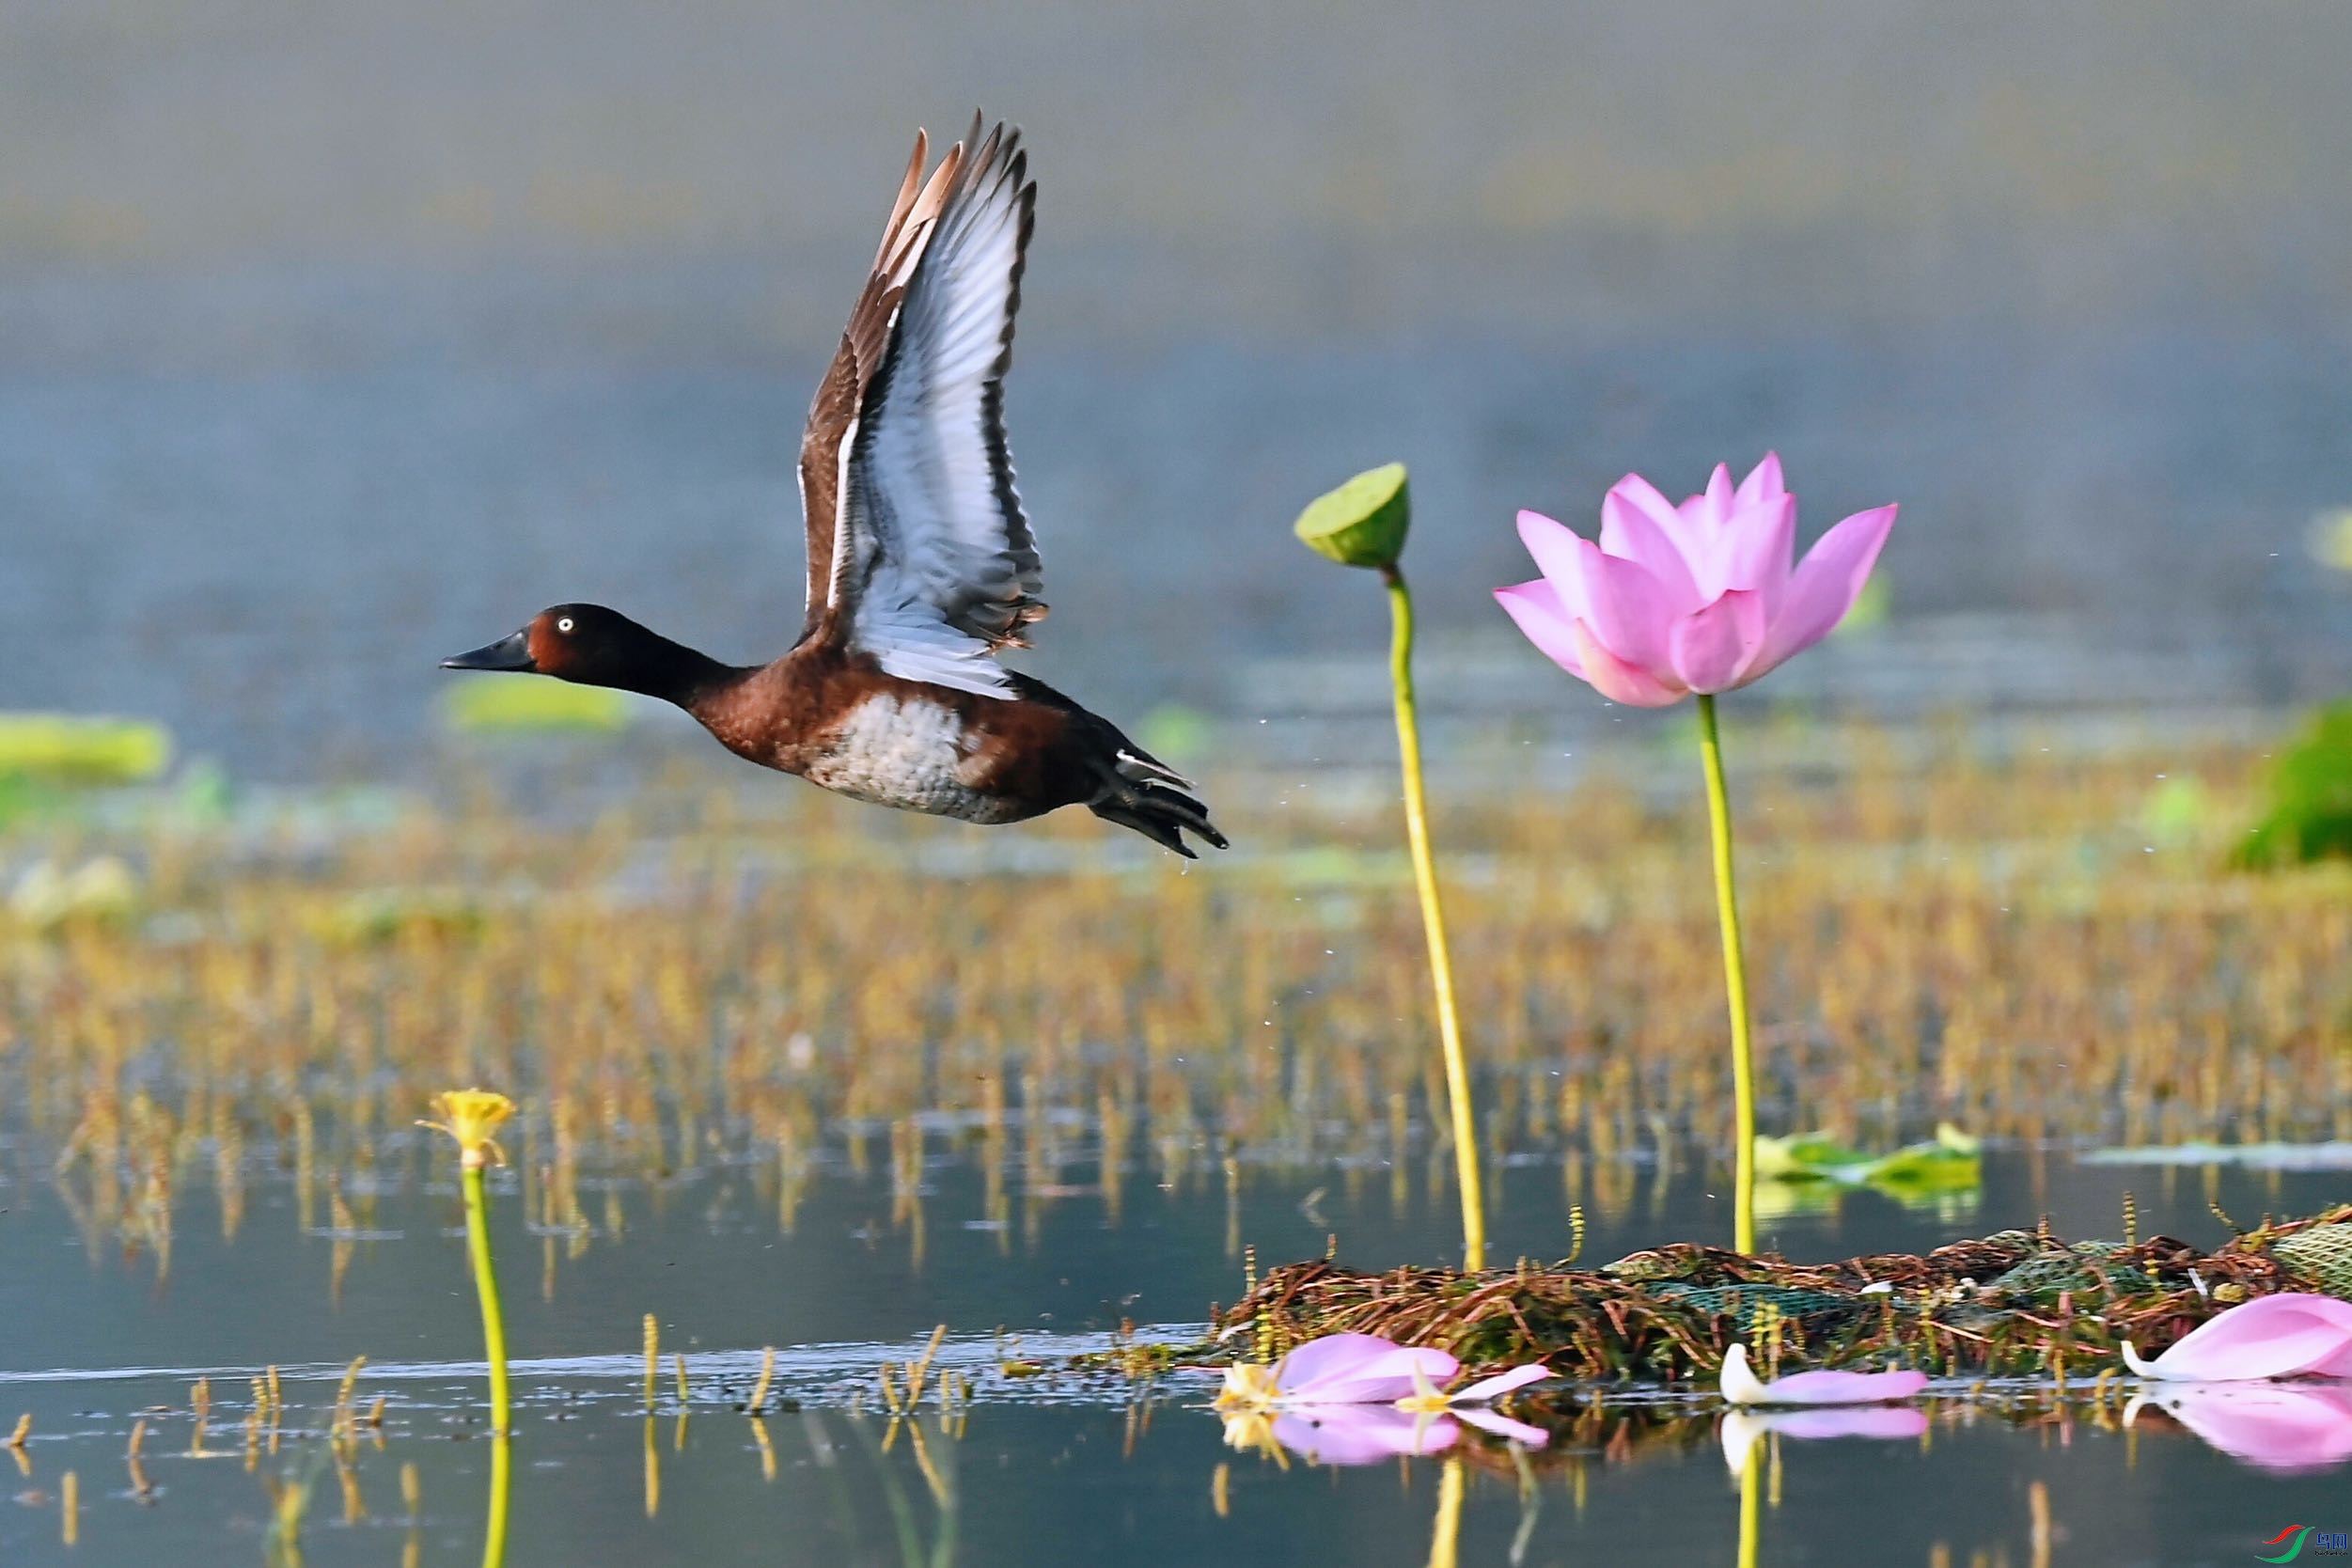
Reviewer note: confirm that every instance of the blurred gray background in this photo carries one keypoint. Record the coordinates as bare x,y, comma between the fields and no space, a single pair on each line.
335,337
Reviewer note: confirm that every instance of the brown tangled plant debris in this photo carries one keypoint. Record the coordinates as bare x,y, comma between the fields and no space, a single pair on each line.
2018,1303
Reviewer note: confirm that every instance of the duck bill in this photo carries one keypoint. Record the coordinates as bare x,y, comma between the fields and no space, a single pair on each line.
512,652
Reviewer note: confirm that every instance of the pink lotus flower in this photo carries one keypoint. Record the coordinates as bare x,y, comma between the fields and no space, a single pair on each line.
2273,1426
2272,1336
1361,1394
1704,597
1741,1386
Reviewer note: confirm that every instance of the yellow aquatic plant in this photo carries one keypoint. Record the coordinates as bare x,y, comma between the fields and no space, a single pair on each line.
472,1115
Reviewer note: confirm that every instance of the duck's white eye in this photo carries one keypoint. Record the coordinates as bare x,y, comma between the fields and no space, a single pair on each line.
564,624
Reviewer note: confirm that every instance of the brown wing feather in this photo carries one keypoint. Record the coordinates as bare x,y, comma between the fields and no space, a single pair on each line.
841,394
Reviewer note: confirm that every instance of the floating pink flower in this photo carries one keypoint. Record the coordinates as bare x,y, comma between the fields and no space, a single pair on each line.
2272,1336
1337,1369
1704,597
1358,1394
1742,1387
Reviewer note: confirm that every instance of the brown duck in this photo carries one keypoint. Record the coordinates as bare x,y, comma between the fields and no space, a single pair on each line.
921,565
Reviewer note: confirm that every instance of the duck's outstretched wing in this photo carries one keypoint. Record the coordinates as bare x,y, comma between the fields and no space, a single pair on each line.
929,564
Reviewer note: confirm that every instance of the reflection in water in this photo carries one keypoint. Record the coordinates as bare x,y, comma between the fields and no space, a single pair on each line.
501,1489
1444,1546
2274,1426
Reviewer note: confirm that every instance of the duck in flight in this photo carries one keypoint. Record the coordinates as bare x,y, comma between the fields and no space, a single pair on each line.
921,565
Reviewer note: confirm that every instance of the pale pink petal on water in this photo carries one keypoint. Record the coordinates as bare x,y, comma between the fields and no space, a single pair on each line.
1536,606
1760,551
1713,648
1503,1426
2272,1336
1617,681
1825,585
1633,532
1763,482
2273,1426
1332,1355
1742,1387
1843,1387
1560,555
1362,1433
1345,1368
1500,1384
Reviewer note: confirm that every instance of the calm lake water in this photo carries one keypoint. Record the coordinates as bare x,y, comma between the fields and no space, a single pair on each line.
1054,1469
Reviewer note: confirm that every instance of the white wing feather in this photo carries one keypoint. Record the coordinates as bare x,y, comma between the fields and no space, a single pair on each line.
933,554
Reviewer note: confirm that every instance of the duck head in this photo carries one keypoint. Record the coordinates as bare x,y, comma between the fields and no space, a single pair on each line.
592,645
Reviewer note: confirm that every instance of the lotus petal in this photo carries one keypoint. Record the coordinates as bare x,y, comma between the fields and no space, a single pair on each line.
2272,1336
1633,532
1536,606
1759,551
1352,1369
1487,1389
1742,1387
1763,483
1712,649
1619,680
1825,585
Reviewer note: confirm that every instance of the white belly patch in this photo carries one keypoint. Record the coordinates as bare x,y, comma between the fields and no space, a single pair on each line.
904,752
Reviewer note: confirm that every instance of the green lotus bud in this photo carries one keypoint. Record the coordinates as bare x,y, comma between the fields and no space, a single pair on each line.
1363,522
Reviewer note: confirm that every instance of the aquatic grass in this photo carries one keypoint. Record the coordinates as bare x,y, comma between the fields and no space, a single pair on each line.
1363,523
1942,905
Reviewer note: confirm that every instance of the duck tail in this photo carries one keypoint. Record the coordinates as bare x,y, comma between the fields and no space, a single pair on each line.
1145,793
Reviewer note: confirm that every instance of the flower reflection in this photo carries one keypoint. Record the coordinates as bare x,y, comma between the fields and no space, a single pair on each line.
2271,1426
1743,1429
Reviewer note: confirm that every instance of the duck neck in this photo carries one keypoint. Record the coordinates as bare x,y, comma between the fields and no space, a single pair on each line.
675,673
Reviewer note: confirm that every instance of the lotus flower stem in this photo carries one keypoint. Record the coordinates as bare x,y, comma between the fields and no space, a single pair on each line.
1433,922
1735,986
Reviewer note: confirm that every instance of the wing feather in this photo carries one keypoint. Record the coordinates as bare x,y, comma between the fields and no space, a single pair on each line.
932,565
832,416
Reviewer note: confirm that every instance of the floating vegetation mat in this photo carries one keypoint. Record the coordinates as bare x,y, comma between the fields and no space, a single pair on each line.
2016,1303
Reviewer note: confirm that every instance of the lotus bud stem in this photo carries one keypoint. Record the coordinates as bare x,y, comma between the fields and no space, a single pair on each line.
1364,523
